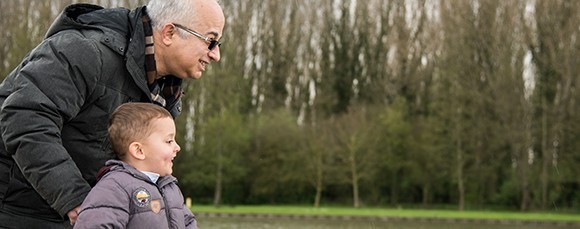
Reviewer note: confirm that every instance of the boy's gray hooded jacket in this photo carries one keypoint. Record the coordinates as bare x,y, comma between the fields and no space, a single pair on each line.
55,107
127,198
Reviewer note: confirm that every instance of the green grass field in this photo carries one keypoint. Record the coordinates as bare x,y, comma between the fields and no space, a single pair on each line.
389,212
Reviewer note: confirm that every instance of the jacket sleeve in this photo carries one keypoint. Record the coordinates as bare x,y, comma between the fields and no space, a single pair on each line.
48,90
190,221
106,206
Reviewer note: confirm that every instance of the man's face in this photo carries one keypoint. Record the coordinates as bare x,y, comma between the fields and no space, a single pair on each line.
190,54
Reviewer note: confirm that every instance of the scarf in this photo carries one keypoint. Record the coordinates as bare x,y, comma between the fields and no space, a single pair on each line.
165,91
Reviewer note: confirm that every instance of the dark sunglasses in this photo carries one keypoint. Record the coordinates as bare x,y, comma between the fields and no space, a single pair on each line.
212,42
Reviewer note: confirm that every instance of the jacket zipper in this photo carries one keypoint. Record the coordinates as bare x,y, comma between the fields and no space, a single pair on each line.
167,212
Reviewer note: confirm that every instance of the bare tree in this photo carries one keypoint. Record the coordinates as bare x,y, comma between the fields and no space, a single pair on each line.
551,31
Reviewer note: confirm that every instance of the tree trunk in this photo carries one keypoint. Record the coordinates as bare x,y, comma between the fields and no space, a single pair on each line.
545,155
524,180
218,187
354,174
426,190
460,185
458,143
218,182
394,187
318,180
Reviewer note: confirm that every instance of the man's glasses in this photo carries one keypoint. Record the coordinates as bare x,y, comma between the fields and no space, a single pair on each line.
212,42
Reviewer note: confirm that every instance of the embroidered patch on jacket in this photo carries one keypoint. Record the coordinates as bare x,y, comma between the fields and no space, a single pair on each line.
141,197
156,206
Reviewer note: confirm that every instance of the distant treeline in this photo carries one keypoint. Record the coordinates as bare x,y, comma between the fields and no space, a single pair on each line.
375,103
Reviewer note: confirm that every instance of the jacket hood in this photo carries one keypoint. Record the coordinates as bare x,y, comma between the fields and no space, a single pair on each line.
117,165
122,29
88,16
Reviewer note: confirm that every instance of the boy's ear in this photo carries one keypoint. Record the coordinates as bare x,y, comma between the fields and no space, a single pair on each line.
135,151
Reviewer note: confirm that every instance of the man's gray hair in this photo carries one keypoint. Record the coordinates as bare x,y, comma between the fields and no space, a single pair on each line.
162,12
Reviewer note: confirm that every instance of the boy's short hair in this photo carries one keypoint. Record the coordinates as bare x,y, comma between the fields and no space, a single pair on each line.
131,122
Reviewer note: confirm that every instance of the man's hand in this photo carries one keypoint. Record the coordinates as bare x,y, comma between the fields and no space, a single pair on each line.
73,214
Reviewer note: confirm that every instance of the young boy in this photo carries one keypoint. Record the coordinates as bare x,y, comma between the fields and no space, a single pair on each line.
138,190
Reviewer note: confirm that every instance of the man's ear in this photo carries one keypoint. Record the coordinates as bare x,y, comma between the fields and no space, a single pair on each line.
168,32
135,151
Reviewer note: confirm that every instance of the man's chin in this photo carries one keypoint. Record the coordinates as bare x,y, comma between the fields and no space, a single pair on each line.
194,75
197,75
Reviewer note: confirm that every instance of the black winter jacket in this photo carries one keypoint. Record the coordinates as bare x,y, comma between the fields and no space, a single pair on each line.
55,107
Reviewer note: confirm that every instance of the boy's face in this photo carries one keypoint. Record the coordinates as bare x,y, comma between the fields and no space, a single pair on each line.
160,147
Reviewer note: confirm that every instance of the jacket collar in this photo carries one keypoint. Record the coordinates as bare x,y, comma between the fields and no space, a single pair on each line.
121,166
135,56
